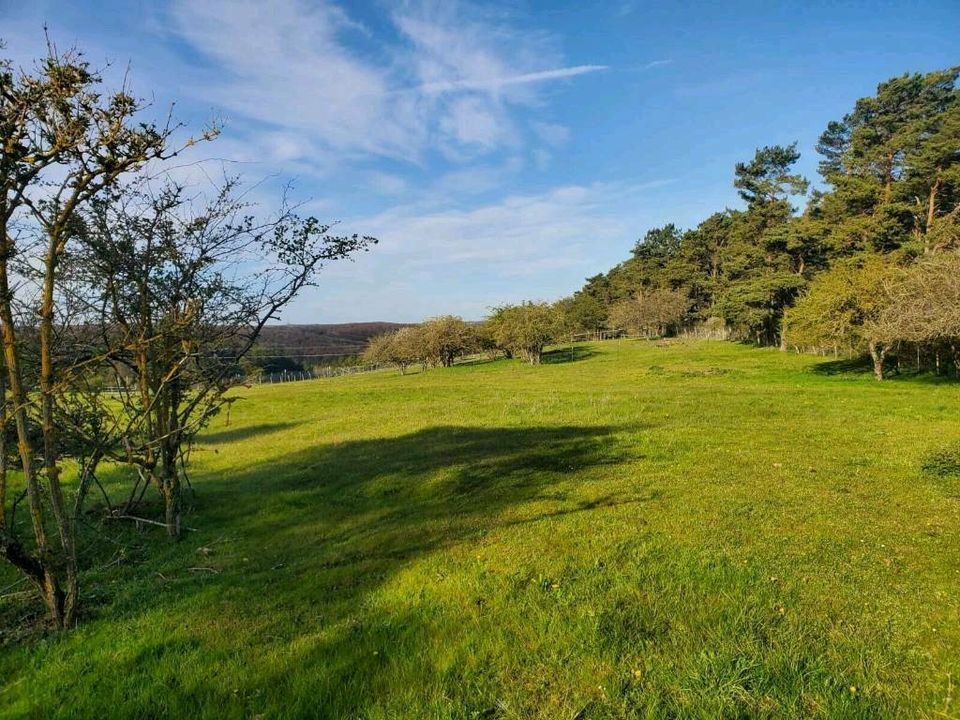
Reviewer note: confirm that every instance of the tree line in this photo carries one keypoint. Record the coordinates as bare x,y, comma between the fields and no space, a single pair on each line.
113,275
867,266
521,331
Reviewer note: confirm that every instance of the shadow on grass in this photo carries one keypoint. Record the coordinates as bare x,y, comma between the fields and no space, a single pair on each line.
320,533
299,614
373,503
386,491
428,488
567,354
244,432
844,366
863,366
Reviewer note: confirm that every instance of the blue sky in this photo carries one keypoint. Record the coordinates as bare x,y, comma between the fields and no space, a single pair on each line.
500,152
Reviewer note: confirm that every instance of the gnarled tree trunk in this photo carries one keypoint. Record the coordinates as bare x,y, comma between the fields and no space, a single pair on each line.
877,353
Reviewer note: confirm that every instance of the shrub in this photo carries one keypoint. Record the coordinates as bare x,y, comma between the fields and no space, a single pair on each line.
524,330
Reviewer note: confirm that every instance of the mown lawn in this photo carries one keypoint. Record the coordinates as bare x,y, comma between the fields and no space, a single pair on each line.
640,530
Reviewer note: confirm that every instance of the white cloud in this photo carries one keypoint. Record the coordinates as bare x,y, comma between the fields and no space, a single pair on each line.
450,82
552,133
286,63
524,246
474,123
387,184
542,158
472,180
560,225
497,83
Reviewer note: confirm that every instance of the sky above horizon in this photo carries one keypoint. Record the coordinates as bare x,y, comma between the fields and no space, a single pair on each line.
499,151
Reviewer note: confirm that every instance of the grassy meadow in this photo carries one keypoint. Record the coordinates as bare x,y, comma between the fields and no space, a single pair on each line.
633,529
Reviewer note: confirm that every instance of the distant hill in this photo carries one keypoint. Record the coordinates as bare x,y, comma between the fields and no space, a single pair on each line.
316,344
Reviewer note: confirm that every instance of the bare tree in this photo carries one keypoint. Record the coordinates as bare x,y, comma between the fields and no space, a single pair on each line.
63,143
401,348
650,312
924,304
182,288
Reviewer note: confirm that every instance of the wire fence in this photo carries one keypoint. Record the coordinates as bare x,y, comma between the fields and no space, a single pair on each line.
598,335
316,373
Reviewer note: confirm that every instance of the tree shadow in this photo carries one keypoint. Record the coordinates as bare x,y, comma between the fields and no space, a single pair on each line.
243,432
862,366
457,477
309,540
574,353
844,366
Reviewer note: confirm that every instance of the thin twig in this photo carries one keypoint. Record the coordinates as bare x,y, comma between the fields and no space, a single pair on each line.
144,520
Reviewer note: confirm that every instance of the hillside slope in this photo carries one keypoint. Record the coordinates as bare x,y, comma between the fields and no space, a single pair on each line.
306,342
631,530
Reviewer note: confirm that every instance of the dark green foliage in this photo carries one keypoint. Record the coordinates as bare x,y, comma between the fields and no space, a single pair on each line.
581,313
891,170
755,304
767,178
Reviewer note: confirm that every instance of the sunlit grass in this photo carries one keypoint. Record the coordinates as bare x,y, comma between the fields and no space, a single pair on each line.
649,530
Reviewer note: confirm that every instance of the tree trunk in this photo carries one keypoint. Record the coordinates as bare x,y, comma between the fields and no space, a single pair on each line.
3,447
42,568
49,430
170,481
932,204
877,353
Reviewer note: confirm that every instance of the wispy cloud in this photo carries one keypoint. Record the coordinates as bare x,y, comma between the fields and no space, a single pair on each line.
449,82
498,83
535,245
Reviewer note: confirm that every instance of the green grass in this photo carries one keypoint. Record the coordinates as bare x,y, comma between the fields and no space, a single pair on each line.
648,530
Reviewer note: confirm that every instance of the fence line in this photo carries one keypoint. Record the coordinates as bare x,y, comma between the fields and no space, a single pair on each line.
315,373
